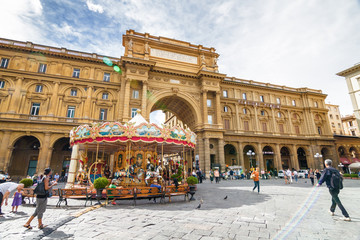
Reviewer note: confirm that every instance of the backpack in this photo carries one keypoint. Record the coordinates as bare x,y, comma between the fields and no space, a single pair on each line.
336,180
40,188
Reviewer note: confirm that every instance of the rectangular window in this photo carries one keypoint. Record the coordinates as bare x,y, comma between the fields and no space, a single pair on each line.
42,68
281,128
278,101
297,130
261,98
210,121
70,112
244,111
38,88
226,123
2,84
319,130
331,116
73,92
337,117
106,77
246,125
135,94
208,102
105,96
316,104
226,109
293,102
103,114
225,94
350,124
32,166
244,96
339,126
35,107
353,133
264,127
133,112
76,73
4,63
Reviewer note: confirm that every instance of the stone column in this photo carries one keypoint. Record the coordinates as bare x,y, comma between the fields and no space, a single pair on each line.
221,153
73,166
4,148
126,101
53,100
48,157
204,103
260,157
237,117
206,166
87,111
275,130
241,155
277,155
218,108
143,100
43,154
291,129
15,98
257,127
294,158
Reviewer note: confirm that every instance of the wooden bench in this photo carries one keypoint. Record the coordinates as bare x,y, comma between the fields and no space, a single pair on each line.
76,193
171,191
28,193
120,193
149,192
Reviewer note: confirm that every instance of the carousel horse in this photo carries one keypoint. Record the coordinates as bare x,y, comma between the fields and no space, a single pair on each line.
153,174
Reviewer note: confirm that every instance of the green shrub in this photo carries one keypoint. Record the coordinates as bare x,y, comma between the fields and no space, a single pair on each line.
346,175
101,183
192,180
354,175
178,175
27,182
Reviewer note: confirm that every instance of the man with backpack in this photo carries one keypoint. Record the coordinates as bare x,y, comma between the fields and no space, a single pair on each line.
333,181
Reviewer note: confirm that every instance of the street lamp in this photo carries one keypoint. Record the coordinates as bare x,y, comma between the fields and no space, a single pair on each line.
250,154
318,156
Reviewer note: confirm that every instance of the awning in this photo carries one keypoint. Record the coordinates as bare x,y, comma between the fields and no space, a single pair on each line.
344,160
355,160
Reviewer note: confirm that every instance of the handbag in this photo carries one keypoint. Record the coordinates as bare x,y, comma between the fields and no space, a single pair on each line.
40,188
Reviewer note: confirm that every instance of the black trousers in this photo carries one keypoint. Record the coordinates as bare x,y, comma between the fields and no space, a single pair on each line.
336,201
1,198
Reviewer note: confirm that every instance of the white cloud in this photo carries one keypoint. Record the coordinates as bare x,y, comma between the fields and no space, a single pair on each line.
94,7
19,20
157,117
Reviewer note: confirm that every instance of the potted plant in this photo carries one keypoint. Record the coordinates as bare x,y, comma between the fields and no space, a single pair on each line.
192,181
100,184
178,176
27,182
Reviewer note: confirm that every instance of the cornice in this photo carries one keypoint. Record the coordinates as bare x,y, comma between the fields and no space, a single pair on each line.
350,70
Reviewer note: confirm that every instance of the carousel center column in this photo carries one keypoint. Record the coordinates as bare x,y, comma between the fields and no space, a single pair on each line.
73,166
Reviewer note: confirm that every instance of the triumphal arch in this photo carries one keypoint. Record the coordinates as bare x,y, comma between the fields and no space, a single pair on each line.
46,91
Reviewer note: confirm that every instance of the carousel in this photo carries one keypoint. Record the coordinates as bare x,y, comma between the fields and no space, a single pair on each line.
134,153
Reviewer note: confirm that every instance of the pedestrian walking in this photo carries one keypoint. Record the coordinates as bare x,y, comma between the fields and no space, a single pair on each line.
231,174
318,174
262,174
288,174
311,176
296,175
41,200
5,191
211,174
333,180
306,173
217,176
255,177
17,200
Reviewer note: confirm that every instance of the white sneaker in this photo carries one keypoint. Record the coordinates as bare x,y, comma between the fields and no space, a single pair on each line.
347,219
331,213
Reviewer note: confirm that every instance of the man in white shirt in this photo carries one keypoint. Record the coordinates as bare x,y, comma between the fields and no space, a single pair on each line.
288,174
5,190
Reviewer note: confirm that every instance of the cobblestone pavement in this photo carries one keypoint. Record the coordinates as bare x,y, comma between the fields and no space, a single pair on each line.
296,211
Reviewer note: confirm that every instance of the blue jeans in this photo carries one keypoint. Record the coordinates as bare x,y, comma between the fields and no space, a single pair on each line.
257,185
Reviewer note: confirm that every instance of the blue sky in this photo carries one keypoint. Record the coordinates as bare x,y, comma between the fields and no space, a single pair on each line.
297,43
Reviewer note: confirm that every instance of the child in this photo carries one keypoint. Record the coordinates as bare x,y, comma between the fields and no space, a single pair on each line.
17,200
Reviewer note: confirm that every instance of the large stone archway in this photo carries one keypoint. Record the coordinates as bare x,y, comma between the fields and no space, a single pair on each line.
24,158
183,106
61,155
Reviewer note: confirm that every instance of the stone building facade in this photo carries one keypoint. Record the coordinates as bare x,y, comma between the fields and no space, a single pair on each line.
46,91
335,119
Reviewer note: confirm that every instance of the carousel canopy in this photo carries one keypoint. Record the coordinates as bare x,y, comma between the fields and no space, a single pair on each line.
137,131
